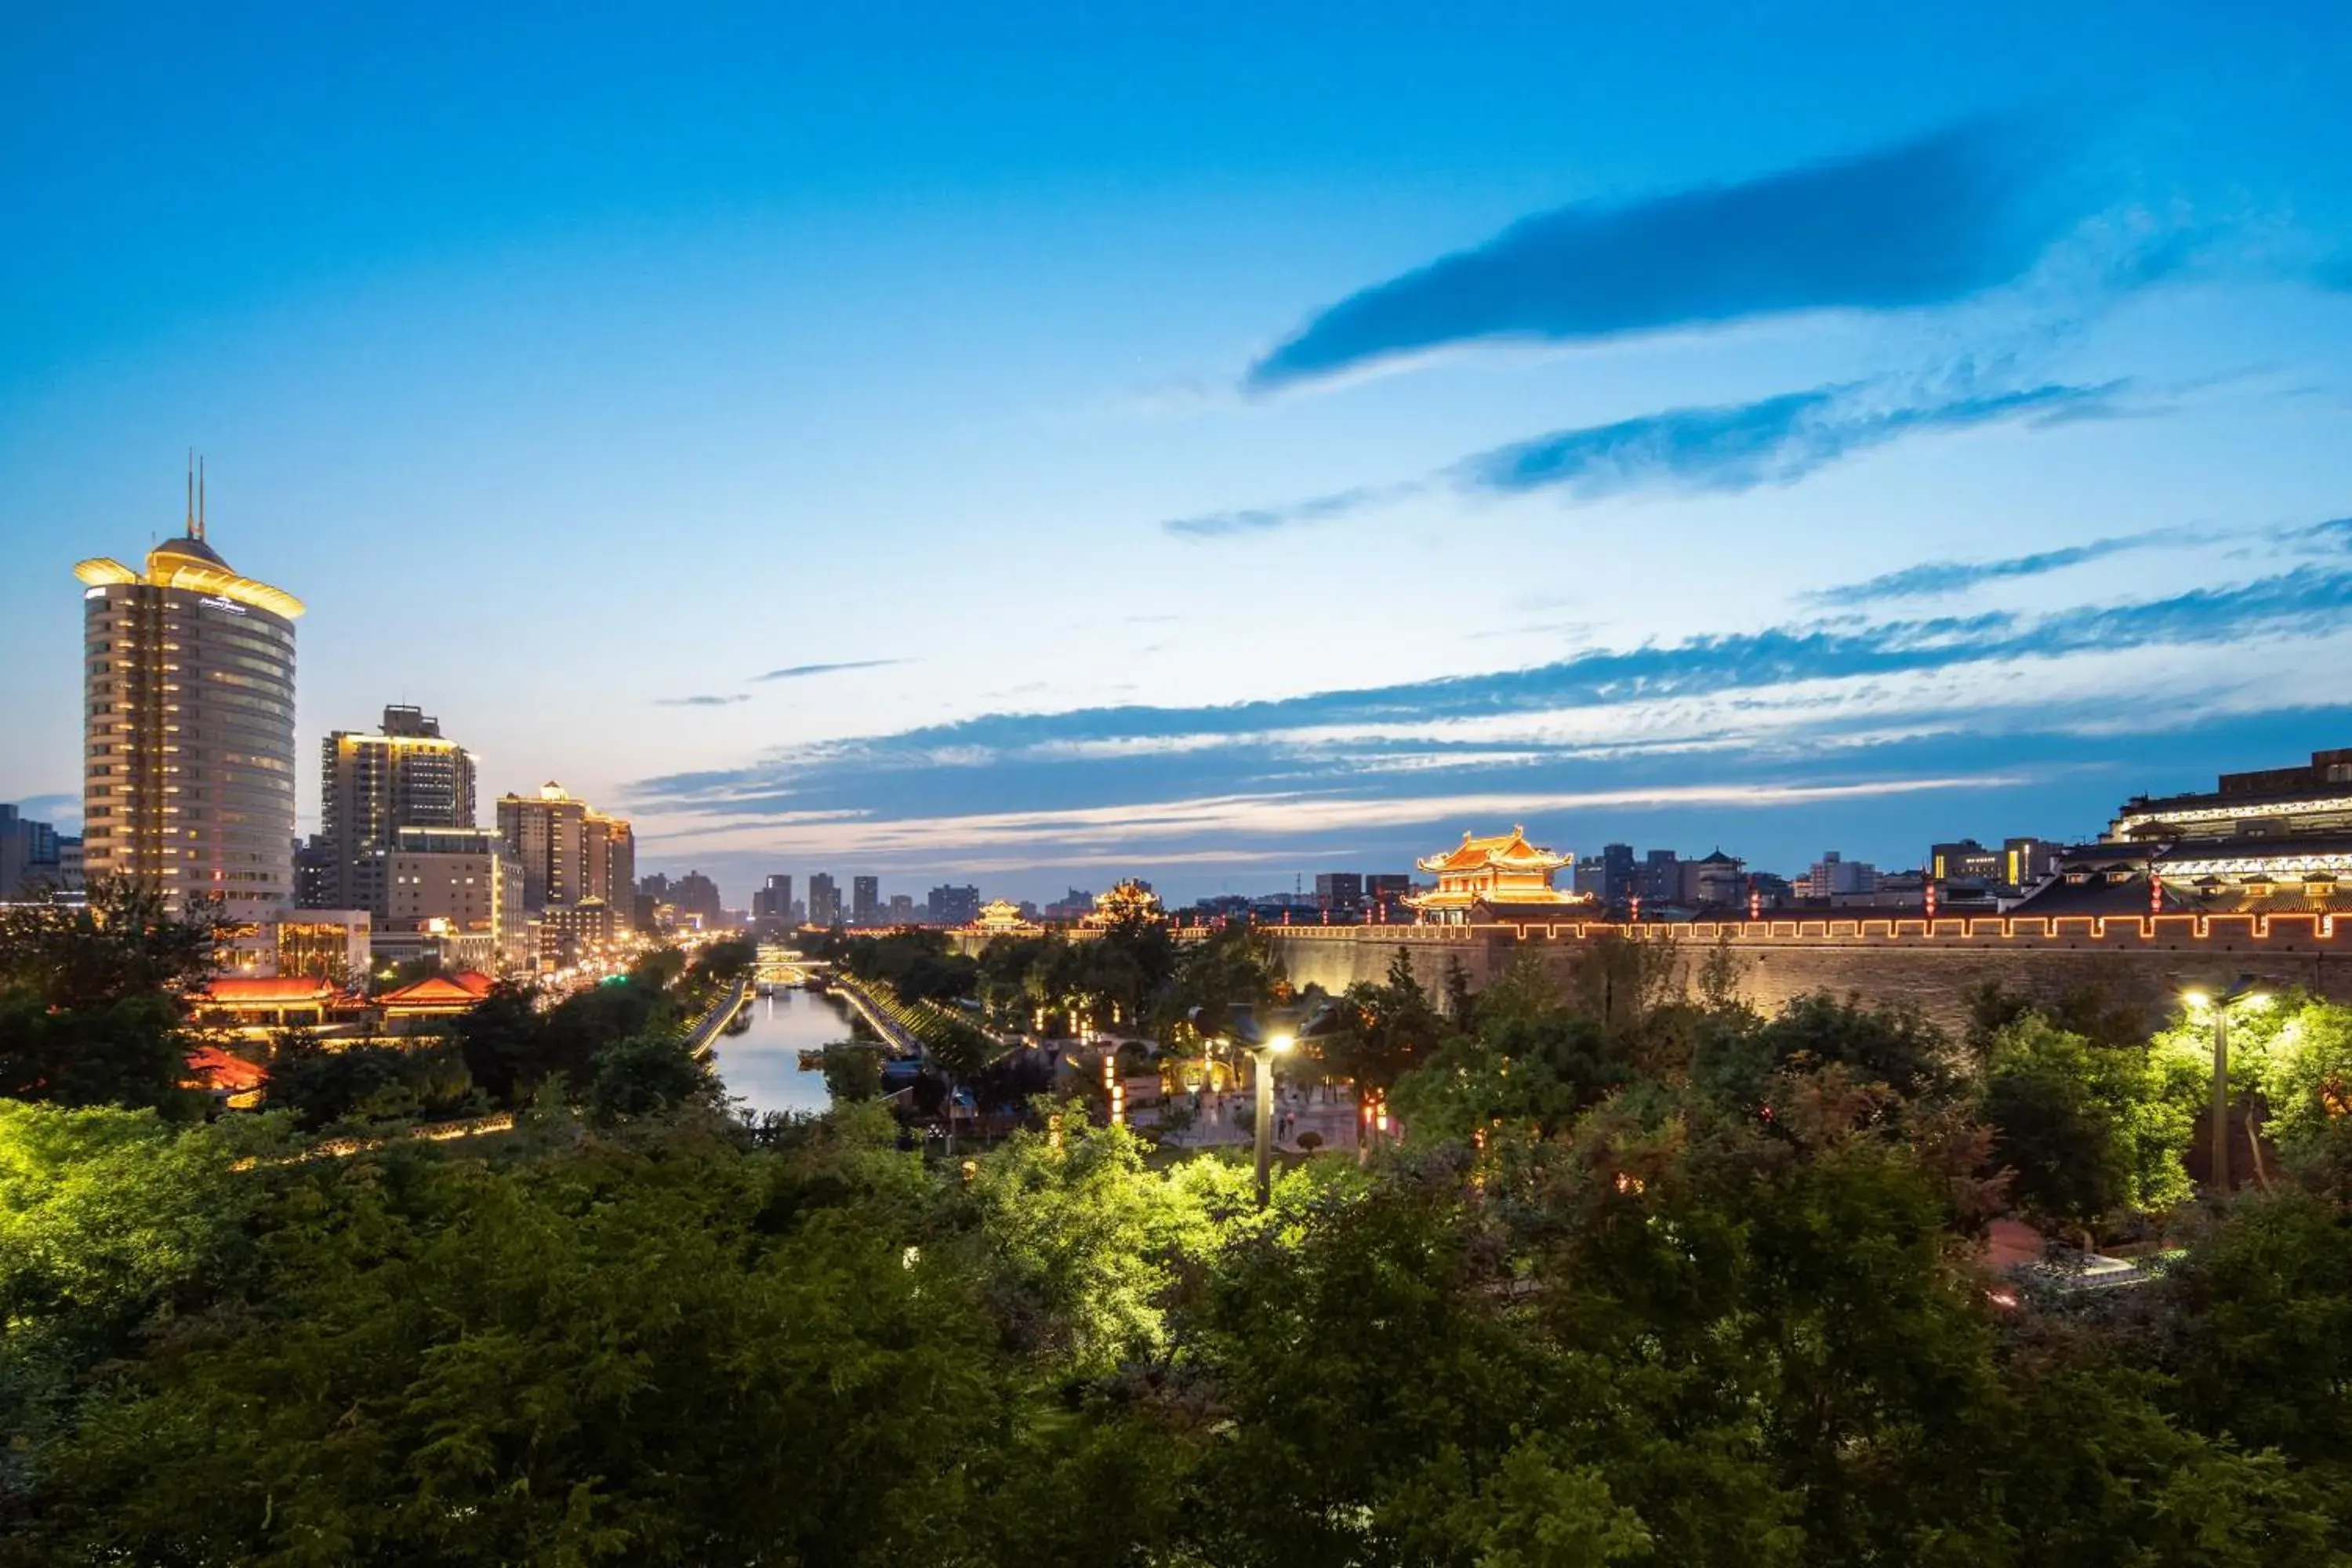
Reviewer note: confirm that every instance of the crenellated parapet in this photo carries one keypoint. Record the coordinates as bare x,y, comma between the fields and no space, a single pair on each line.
1931,964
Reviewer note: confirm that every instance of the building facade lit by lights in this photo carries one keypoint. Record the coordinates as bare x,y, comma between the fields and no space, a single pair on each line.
188,727
457,894
1493,877
372,786
1001,917
2274,841
570,852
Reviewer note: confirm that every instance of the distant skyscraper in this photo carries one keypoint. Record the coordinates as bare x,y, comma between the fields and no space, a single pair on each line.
1340,890
372,786
28,855
954,906
1660,878
188,727
696,894
864,901
823,900
611,846
570,854
1616,873
1833,874
773,901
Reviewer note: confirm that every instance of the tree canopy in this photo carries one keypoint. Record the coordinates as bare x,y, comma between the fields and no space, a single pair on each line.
1651,1279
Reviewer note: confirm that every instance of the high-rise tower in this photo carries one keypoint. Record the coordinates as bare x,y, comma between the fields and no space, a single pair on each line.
570,854
188,727
372,786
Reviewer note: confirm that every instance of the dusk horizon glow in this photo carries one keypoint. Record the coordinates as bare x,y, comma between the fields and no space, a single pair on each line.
1032,452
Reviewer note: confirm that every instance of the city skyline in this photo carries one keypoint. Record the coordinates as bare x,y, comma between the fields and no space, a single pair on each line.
1230,497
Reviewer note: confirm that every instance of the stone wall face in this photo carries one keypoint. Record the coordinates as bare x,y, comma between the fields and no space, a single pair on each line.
2133,960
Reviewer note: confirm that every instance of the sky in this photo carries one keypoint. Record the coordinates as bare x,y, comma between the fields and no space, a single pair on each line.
1032,444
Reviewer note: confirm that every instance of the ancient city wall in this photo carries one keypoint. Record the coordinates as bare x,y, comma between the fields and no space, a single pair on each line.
1931,964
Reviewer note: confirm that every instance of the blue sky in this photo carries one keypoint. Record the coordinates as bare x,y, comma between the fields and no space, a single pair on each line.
1034,445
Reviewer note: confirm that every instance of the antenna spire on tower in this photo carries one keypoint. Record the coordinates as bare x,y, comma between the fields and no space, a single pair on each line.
192,492
200,498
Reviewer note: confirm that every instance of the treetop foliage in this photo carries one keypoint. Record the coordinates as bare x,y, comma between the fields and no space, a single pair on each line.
1651,1279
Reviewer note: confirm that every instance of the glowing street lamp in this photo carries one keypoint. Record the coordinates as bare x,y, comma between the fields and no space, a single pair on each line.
1243,1030
2245,992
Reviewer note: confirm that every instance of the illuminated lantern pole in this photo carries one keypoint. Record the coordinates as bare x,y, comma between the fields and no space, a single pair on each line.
1637,908
1931,899
1286,914
1327,914
2155,892
1114,1089
1755,902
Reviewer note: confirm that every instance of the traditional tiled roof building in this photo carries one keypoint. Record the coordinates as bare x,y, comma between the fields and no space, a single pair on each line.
1001,917
1127,900
1495,878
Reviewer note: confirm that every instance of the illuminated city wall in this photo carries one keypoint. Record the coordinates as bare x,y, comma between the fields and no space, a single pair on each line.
1882,960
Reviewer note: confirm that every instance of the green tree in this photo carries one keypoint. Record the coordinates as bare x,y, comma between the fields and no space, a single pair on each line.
2264,1351
1534,1070
112,1222
89,998
648,1075
322,1084
1894,1046
2298,1057
122,943
1386,1029
2084,1130
597,1355
853,1070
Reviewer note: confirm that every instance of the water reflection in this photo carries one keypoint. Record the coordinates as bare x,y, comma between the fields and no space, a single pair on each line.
762,1065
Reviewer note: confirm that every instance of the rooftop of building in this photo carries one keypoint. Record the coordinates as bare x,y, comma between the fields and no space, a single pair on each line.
1507,849
2259,786
255,990
440,991
187,561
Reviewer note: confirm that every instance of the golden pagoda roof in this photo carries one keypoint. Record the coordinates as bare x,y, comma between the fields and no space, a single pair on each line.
1509,850
1003,917
1127,899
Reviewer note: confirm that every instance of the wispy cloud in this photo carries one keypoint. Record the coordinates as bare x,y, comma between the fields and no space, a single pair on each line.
1821,675
1741,446
1934,578
699,701
1727,448
802,671
1262,520
1922,223
1092,834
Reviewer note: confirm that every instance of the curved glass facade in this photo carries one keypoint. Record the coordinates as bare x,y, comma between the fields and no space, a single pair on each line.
188,730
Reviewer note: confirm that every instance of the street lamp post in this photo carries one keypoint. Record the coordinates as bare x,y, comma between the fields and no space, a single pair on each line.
1243,1030
2244,991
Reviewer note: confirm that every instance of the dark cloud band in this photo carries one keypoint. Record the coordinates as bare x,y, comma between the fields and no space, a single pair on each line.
1924,223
